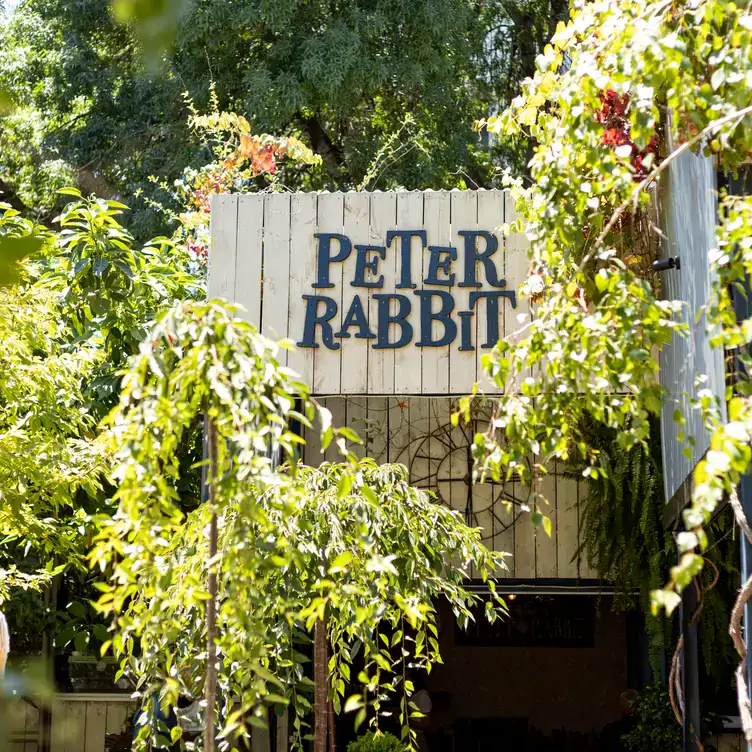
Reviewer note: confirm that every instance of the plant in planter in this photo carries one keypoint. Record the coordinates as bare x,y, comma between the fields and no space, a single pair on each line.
373,742
656,729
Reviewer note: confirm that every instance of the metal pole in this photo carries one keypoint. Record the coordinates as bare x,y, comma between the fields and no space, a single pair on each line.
742,186
690,670
745,498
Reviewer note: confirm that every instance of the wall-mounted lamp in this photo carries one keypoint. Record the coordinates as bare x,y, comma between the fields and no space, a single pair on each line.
663,265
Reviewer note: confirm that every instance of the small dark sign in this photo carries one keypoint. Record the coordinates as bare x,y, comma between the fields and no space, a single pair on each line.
535,621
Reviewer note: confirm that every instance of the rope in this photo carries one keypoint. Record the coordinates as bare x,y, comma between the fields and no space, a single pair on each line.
735,626
675,693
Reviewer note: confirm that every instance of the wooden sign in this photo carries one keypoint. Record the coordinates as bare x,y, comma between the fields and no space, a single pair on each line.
382,293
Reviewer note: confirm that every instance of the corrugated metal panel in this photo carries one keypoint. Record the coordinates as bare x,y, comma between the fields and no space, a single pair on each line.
688,216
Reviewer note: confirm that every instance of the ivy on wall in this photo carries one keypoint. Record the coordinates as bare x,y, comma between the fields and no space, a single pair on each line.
624,539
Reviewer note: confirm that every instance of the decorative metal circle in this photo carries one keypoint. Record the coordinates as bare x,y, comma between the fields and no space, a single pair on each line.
442,461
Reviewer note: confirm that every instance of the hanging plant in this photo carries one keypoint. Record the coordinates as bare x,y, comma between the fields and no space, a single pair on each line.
624,539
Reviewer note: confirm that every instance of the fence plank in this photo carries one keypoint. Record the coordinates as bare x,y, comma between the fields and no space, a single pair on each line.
337,406
224,220
435,360
96,724
249,243
71,726
516,266
381,360
546,560
586,571
407,360
566,510
354,367
491,218
357,414
117,712
462,372
312,453
326,374
303,209
524,542
275,306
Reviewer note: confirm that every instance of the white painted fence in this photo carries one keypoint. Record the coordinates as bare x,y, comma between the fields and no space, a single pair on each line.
79,722
278,244
417,432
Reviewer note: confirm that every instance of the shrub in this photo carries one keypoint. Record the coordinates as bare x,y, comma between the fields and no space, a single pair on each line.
372,742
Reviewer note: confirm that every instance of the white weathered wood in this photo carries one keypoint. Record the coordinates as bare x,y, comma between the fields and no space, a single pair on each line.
71,726
567,519
354,366
357,415
586,571
524,542
435,360
303,209
399,430
546,548
248,267
484,498
222,254
96,726
117,713
418,459
462,371
312,454
326,375
276,298
504,536
407,360
264,257
491,218
381,361
338,408
378,423
517,266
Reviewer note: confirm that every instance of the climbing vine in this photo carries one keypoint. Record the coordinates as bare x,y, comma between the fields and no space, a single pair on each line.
624,537
591,347
621,526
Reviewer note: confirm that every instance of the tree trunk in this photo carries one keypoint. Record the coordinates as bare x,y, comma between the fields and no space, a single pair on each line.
210,687
320,671
332,727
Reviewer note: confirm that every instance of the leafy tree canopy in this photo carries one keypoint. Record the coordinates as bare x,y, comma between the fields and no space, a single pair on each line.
359,81
615,79
350,546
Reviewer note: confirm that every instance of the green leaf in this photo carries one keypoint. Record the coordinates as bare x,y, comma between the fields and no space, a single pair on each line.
78,609
12,251
341,562
81,642
353,703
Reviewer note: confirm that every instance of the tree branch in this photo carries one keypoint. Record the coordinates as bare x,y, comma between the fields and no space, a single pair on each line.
210,690
321,142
